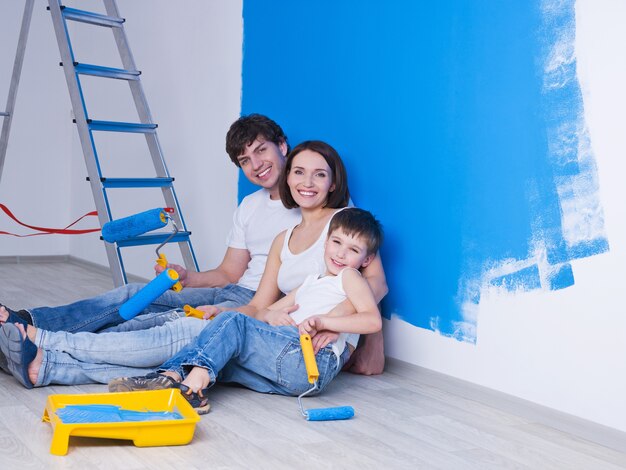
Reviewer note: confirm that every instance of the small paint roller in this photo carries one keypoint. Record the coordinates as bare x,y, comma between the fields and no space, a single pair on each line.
148,294
134,225
318,414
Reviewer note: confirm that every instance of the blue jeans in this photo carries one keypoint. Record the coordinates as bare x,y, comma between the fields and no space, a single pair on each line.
79,358
238,348
101,312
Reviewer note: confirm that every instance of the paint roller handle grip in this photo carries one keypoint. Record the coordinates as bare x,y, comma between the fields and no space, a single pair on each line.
162,261
193,312
309,358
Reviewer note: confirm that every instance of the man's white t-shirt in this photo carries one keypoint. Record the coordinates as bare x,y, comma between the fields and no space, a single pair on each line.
256,222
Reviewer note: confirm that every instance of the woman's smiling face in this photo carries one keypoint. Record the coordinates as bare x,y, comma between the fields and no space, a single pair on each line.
310,179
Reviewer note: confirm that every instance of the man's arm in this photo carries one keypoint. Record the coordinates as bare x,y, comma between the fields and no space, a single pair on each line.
229,271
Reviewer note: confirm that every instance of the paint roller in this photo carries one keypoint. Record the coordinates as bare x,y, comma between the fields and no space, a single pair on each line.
318,414
138,224
135,225
148,294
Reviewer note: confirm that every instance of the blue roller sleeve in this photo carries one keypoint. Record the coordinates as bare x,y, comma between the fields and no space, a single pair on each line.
135,225
329,414
148,294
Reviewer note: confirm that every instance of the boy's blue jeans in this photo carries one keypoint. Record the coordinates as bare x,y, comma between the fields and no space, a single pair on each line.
101,312
237,348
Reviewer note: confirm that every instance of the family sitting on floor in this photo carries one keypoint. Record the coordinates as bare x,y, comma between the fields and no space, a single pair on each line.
295,236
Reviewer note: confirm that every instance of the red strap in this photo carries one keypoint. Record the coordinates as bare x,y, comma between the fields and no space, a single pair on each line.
48,231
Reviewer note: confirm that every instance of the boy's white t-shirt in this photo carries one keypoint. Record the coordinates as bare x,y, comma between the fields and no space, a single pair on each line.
256,222
318,295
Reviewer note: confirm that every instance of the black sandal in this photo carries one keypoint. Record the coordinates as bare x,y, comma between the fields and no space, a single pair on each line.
198,400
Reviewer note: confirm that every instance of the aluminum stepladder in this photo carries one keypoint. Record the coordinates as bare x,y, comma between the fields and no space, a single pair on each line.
86,126
7,114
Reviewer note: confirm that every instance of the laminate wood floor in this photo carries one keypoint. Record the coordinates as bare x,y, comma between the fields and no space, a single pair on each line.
406,418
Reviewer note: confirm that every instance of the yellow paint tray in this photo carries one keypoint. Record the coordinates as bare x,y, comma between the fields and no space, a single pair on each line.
142,433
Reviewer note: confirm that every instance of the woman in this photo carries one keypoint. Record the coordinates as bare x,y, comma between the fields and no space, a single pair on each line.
314,179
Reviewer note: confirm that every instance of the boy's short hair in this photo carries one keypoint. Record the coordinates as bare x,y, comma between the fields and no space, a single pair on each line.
359,223
246,129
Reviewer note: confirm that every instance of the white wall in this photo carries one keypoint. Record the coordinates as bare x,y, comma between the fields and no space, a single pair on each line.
190,57
35,179
562,349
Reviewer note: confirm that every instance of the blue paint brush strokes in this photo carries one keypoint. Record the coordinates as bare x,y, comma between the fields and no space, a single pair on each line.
452,133
526,279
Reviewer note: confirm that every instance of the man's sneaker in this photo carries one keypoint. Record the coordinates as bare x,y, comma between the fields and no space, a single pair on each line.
152,381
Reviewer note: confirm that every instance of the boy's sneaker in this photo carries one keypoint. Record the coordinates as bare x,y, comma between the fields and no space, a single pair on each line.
152,381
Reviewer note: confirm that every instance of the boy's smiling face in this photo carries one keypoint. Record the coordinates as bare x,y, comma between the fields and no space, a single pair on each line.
345,251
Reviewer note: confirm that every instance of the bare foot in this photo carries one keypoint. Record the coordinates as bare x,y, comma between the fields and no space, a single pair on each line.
31,332
172,375
4,315
35,365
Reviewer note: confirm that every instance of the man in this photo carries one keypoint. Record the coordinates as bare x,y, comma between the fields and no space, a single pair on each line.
256,144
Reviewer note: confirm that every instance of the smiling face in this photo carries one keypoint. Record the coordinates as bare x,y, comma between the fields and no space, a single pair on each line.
345,251
262,161
310,180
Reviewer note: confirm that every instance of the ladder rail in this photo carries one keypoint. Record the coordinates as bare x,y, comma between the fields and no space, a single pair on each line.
86,126
85,137
145,116
7,115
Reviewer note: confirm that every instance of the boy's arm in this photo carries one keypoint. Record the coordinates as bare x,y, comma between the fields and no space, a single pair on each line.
375,276
369,357
366,319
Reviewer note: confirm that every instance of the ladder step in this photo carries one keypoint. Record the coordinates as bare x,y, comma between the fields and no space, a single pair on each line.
112,126
91,18
161,182
2,113
155,239
108,72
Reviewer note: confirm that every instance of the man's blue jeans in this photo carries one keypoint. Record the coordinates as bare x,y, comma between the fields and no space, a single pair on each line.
101,312
80,358
134,347
237,348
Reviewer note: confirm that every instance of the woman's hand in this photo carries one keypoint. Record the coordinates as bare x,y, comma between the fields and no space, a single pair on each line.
278,317
210,311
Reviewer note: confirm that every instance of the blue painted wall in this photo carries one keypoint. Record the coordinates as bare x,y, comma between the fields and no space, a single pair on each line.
442,114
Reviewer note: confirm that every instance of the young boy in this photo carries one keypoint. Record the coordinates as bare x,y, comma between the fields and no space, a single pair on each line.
241,349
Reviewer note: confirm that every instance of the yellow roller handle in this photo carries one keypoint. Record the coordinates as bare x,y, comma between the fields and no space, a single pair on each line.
309,358
193,312
162,261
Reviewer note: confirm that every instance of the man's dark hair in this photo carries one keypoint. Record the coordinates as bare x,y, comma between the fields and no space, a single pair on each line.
359,223
246,129
340,195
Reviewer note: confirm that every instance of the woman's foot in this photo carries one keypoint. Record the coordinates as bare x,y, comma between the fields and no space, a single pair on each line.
23,358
